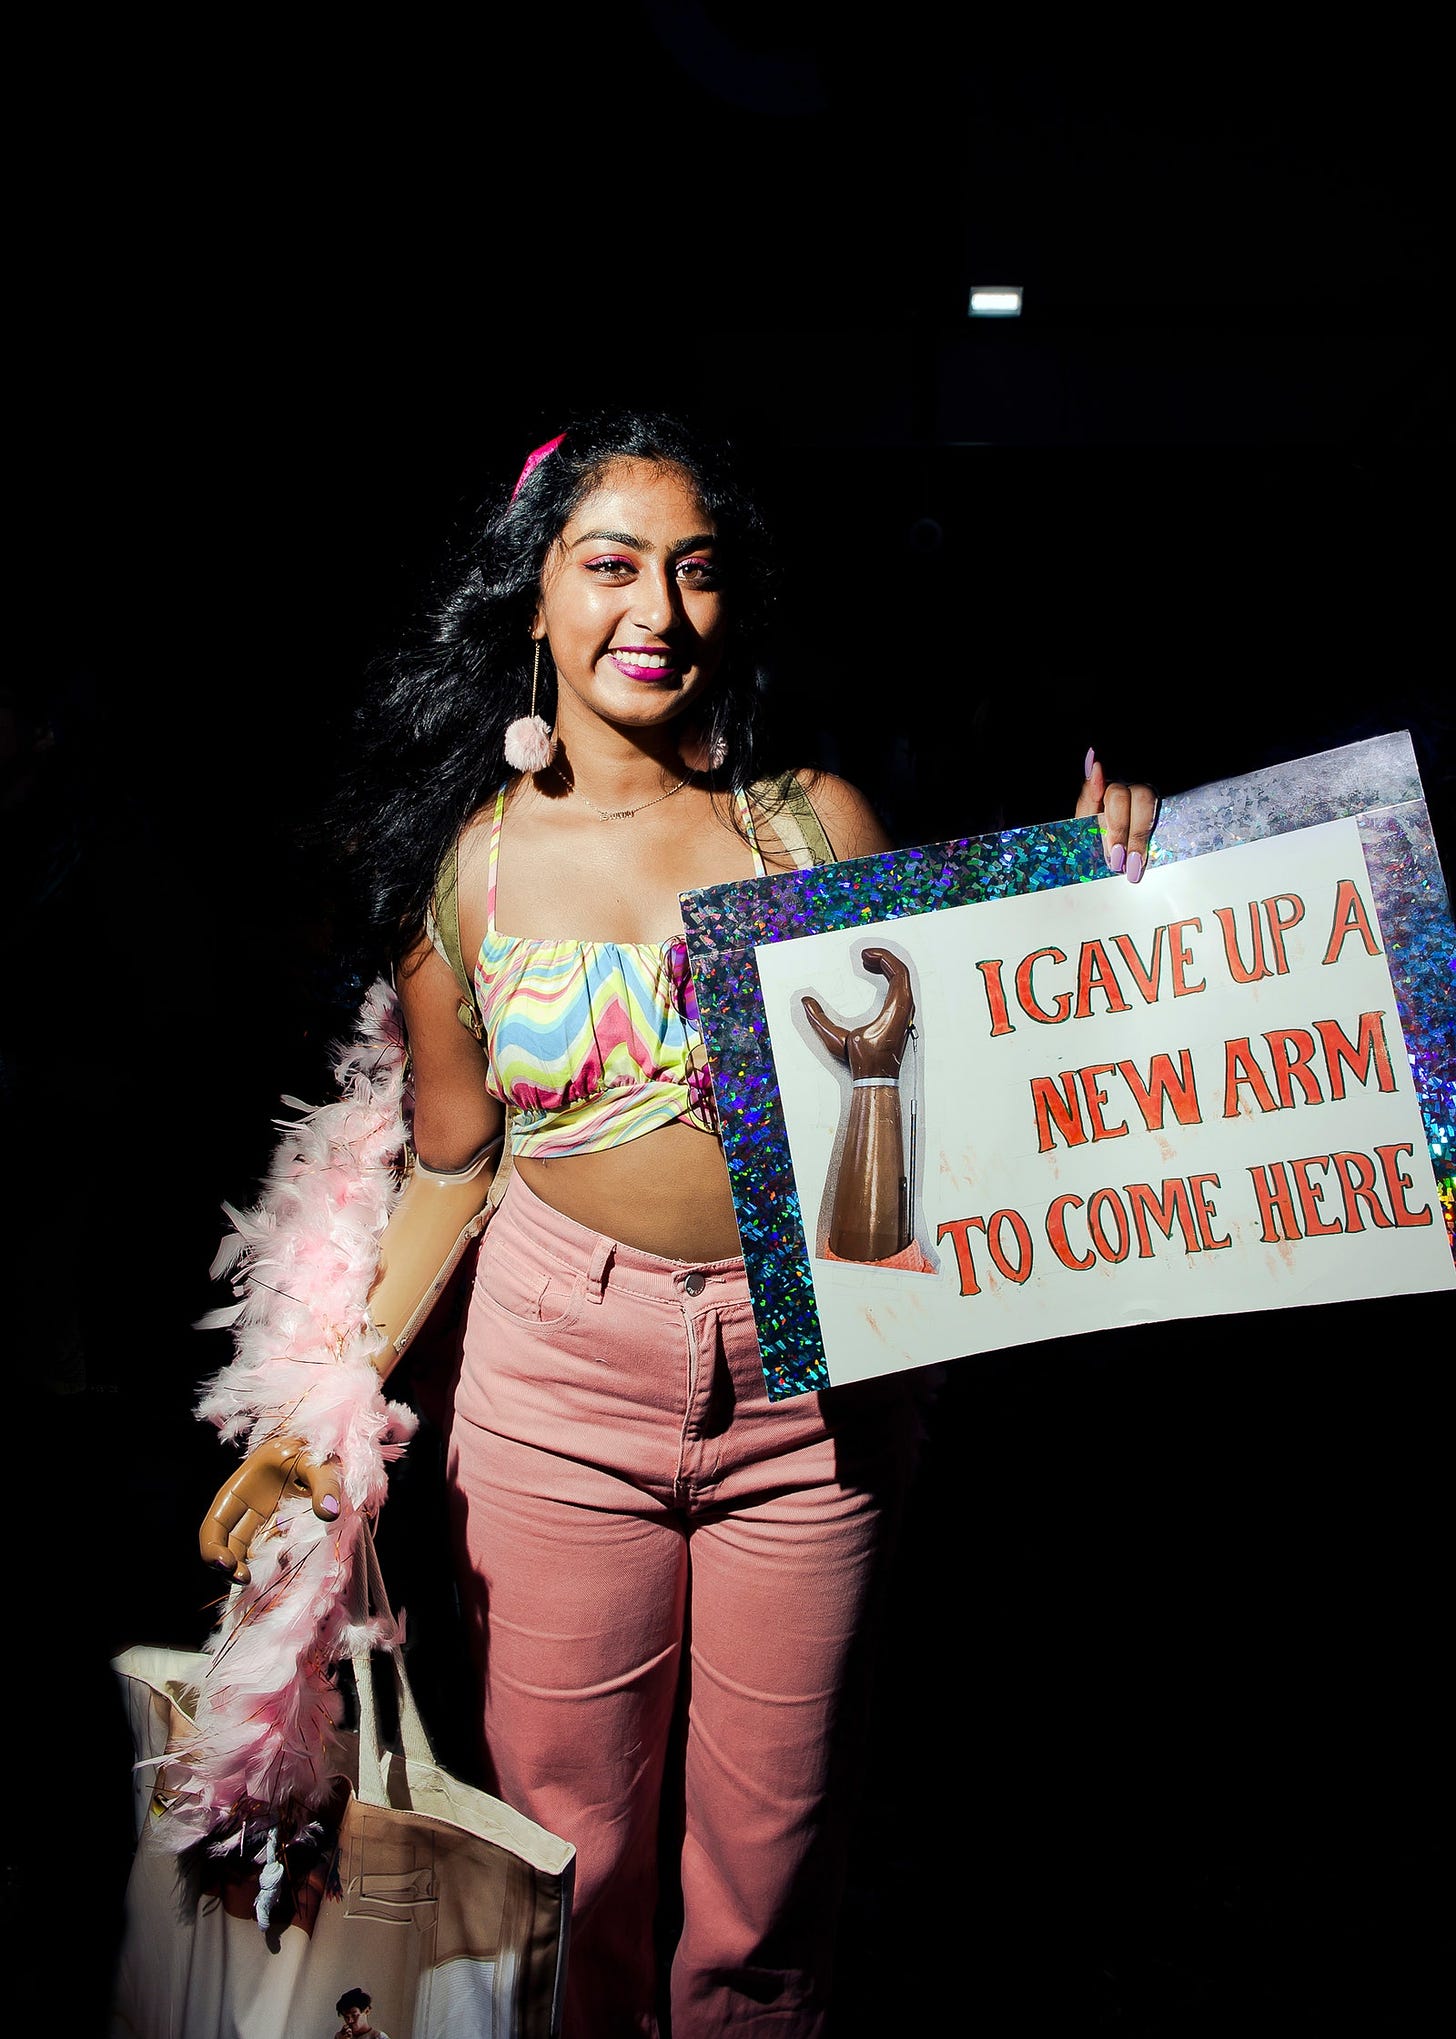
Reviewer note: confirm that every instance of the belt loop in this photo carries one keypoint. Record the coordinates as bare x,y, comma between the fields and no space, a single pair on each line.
596,1269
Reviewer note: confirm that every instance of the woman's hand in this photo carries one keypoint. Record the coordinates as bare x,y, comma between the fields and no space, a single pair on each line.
1127,814
245,1503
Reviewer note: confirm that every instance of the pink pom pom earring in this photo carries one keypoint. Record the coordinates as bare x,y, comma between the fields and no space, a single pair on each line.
530,744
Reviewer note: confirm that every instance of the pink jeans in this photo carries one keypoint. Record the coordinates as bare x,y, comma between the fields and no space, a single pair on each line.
669,1584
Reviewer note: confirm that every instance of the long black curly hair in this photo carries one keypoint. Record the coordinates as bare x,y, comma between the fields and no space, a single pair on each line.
426,739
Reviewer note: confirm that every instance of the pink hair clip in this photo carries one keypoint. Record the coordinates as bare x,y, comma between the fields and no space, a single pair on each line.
533,461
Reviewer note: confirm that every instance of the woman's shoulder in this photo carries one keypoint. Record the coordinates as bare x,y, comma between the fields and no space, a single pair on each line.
845,813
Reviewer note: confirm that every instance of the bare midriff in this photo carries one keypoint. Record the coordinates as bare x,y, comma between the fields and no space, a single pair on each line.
665,1193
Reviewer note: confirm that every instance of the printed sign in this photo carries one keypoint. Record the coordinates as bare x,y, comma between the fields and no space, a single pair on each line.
1080,1104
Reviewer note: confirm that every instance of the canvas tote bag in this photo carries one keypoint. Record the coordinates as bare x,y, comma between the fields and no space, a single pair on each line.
450,1909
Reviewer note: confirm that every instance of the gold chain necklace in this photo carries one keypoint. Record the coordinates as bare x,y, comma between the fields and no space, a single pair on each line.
615,813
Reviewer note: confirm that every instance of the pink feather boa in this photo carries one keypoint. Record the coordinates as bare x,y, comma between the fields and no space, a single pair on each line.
266,1758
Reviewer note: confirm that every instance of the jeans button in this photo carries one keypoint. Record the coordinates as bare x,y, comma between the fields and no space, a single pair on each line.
695,1282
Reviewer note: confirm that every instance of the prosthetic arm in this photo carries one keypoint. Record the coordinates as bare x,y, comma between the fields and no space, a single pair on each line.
439,1213
436,1217
871,1218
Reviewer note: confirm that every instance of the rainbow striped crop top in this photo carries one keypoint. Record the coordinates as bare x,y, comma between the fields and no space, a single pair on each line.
591,1044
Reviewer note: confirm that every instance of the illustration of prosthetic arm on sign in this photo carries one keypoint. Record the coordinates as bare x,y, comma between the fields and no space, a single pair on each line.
871,1206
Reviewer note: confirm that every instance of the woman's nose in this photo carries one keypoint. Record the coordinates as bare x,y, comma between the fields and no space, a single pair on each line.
656,607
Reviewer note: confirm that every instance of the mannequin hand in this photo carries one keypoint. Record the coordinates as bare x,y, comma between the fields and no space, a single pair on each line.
248,1501
878,1047
1128,814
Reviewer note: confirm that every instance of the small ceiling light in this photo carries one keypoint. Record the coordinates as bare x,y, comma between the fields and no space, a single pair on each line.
996,301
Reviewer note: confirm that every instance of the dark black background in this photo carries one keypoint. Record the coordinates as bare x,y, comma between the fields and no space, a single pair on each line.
1156,1746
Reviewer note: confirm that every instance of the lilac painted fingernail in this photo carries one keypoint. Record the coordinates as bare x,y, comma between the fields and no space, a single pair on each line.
1115,857
1134,868
329,1504
1087,763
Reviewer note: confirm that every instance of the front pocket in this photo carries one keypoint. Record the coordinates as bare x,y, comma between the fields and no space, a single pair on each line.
526,1289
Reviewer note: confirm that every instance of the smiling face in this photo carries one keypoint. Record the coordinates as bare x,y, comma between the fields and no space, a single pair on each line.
631,601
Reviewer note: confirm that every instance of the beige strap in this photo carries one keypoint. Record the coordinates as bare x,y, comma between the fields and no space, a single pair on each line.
445,915
785,796
502,1168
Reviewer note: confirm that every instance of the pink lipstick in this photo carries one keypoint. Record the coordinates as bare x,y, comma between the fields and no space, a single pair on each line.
644,662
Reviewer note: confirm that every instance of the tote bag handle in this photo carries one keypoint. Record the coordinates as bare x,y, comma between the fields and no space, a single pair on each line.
369,1595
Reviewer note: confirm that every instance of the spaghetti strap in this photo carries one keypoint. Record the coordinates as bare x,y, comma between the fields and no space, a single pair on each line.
745,815
494,856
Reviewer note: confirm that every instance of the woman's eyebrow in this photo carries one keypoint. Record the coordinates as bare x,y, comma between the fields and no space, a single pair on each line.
641,544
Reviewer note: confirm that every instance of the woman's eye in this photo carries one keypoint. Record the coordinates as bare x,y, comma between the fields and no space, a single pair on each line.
608,567
698,573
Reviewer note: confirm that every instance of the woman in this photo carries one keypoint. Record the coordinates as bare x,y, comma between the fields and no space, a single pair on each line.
657,1564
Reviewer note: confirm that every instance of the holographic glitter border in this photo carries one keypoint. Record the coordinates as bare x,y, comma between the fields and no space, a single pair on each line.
1377,781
